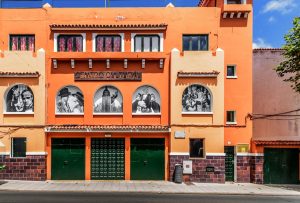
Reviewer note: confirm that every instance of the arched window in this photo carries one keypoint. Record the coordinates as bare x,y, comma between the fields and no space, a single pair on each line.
19,99
196,98
145,100
108,99
69,100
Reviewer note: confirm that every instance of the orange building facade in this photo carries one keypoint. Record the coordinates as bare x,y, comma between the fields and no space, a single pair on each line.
131,92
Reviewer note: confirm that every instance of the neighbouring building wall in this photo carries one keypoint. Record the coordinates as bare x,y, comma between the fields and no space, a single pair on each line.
21,124
204,125
276,127
271,95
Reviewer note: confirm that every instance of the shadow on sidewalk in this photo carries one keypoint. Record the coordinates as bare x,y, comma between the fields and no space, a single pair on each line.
2,182
295,187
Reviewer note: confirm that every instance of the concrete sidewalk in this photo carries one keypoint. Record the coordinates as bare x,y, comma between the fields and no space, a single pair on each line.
147,186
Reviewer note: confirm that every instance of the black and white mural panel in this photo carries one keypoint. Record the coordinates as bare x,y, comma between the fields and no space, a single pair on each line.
19,99
196,98
146,100
108,99
69,100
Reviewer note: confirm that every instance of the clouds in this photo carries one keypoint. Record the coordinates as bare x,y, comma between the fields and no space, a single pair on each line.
282,6
271,19
260,43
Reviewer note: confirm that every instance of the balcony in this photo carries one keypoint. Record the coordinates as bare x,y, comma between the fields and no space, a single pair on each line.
108,55
236,10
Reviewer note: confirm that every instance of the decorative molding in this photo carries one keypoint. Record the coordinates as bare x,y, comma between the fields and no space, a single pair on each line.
197,113
187,154
250,154
179,154
107,114
215,154
212,74
108,128
19,74
161,26
36,153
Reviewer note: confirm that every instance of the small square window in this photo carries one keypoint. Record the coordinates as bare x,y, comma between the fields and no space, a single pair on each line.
235,1
18,147
195,42
231,117
231,71
196,148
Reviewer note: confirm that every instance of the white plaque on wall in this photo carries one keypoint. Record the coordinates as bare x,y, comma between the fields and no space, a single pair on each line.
180,134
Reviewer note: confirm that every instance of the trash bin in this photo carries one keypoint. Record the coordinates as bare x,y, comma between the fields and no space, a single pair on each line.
178,173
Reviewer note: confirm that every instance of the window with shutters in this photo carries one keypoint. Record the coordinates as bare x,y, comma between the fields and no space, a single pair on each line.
108,43
21,42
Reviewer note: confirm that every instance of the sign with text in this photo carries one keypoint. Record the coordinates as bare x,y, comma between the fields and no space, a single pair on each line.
108,75
210,169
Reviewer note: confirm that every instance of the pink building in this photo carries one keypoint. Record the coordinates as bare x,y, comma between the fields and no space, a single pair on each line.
276,124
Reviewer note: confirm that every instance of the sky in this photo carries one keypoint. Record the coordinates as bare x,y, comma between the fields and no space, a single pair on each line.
272,18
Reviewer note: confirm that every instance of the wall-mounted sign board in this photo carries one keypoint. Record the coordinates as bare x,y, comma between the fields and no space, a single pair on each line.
108,75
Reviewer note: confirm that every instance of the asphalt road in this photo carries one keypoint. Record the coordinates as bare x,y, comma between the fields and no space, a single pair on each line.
86,197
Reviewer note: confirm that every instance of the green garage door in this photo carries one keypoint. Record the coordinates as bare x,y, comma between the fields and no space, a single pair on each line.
281,166
147,159
107,159
67,159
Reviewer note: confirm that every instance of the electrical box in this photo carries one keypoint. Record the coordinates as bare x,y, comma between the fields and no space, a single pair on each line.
187,167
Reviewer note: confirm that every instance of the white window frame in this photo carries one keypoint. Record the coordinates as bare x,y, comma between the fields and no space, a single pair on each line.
234,115
161,40
243,1
83,40
235,75
122,35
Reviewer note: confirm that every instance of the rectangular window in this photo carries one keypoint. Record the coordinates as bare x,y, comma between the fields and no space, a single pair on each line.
21,42
146,43
231,117
231,71
108,43
18,147
70,43
196,148
235,1
195,42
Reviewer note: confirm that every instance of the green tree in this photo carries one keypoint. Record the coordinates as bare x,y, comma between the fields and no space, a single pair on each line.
290,67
